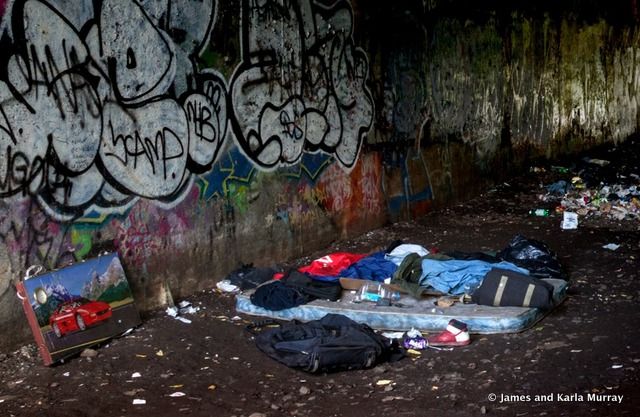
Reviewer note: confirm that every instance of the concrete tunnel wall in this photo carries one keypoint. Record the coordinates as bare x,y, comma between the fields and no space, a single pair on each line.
191,136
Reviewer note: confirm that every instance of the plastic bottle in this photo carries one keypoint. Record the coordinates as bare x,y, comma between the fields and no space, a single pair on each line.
369,292
539,212
392,295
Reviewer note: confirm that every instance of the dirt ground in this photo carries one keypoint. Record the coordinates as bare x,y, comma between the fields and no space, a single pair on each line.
587,346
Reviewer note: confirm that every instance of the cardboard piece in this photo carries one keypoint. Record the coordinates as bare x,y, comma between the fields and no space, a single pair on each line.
76,307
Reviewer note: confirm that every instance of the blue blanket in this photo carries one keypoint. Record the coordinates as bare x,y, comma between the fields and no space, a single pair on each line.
459,277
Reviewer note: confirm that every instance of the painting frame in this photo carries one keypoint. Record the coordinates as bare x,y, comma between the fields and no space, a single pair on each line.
78,306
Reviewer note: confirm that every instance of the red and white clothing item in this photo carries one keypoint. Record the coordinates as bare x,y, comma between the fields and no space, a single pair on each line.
332,264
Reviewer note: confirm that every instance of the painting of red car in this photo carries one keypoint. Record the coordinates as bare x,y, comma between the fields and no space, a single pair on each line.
77,315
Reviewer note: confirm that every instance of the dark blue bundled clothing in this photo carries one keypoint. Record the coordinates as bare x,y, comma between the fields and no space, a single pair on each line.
374,268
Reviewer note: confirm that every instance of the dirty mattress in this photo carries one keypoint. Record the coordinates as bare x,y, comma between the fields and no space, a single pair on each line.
422,314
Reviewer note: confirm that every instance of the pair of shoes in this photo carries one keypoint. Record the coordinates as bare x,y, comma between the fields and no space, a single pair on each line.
456,334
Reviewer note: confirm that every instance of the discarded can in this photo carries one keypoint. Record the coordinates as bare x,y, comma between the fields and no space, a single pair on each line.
417,343
539,212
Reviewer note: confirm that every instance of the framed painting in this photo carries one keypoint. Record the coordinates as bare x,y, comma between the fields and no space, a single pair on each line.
78,306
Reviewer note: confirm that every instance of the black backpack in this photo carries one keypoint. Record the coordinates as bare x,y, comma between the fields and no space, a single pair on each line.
333,343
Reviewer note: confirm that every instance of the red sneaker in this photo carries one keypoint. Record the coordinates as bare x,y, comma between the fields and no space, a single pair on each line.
456,334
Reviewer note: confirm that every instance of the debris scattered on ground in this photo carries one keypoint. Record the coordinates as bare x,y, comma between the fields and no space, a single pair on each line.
569,220
89,353
611,246
183,319
304,390
226,286
126,332
383,382
184,307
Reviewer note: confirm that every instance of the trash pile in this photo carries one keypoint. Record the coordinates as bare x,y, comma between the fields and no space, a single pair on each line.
596,188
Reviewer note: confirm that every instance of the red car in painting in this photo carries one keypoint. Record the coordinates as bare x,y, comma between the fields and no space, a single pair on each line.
78,314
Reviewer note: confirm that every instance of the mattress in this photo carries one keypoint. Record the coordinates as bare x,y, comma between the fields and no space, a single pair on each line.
422,314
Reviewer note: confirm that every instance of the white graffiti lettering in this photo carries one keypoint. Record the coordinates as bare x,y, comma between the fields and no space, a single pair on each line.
301,83
103,102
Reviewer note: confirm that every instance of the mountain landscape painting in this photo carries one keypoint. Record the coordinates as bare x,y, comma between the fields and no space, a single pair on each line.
98,279
78,306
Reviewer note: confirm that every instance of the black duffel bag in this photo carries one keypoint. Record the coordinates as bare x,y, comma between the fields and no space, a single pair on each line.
333,343
503,287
